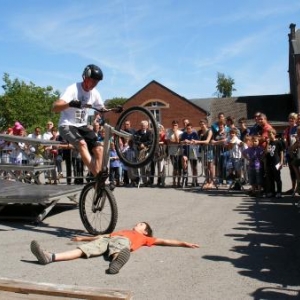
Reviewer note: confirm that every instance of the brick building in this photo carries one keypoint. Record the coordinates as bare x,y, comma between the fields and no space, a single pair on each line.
165,105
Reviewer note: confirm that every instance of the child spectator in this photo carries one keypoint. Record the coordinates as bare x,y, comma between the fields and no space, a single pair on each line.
254,155
273,163
114,166
234,163
132,173
243,128
124,146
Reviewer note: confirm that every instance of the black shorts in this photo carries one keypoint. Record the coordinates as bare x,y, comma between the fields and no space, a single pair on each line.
74,135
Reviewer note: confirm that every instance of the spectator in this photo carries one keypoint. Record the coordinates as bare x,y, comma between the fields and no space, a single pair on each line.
37,151
265,127
254,155
215,125
256,129
160,156
244,130
274,162
97,130
78,166
289,136
205,136
17,128
234,163
190,153
146,139
173,141
219,139
114,166
128,128
294,154
185,122
67,157
48,134
229,125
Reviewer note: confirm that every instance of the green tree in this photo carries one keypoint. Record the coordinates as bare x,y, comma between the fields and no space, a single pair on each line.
109,103
224,86
27,103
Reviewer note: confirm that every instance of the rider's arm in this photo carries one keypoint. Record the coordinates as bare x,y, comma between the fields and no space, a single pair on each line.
59,105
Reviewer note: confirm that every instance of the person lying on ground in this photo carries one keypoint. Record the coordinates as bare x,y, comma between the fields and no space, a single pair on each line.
117,244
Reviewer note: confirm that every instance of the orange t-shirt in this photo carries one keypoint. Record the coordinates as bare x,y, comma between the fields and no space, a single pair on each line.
137,239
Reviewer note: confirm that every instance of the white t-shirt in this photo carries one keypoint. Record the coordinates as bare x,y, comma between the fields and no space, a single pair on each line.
78,116
173,148
47,135
236,150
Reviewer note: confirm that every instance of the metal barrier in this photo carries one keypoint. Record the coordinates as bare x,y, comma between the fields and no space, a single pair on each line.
208,166
22,164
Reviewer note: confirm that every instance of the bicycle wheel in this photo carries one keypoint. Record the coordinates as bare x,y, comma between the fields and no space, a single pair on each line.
134,156
98,211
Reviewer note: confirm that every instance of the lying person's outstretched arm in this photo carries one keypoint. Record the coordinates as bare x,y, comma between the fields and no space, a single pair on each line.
175,243
87,238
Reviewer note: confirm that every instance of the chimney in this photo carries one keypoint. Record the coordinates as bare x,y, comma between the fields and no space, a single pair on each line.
292,35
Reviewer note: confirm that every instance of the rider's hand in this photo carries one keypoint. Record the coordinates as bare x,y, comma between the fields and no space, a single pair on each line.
75,103
118,109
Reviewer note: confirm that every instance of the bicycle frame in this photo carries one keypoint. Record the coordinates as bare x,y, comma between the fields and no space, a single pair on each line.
110,131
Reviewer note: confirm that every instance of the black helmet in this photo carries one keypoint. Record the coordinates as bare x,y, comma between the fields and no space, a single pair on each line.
93,72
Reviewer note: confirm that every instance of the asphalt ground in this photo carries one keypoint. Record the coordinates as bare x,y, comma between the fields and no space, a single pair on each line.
249,248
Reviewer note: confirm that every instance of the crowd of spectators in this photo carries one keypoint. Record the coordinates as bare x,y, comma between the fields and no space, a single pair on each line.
228,153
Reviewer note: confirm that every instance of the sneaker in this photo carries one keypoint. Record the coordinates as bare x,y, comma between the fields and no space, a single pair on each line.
111,186
101,176
278,195
270,195
42,256
289,192
119,261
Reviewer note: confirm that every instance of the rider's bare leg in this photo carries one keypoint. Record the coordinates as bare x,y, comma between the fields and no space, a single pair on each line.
98,154
87,159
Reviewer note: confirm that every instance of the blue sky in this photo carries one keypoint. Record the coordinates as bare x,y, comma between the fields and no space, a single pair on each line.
180,44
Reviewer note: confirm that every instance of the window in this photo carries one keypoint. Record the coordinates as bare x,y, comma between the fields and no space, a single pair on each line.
155,107
156,114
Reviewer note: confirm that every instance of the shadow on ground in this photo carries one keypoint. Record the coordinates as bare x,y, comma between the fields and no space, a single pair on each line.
268,242
24,219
